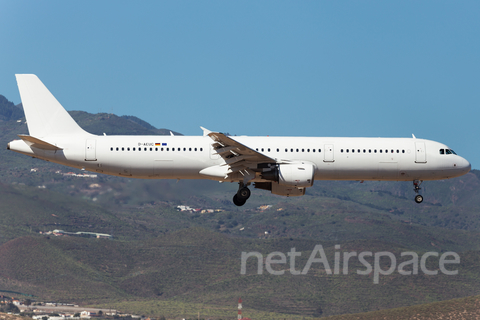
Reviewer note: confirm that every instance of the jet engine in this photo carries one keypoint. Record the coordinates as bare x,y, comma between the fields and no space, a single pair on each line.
298,174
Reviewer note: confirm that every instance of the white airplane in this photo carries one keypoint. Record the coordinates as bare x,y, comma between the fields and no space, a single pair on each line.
283,165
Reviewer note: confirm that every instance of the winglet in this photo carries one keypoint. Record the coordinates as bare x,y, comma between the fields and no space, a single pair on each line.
205,131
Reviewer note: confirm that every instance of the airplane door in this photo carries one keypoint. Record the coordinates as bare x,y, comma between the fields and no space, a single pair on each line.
90,153
328,154
420,154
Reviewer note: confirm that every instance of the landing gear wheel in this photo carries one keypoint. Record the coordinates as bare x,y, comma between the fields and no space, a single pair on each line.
418,198
243,193
416,186
237,201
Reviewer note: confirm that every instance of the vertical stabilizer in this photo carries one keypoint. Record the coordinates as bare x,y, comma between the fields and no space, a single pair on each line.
45,115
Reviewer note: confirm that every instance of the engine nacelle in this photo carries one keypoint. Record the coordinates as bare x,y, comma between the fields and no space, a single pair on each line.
296,174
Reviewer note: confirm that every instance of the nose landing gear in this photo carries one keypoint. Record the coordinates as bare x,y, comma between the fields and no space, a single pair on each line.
416,186
242,195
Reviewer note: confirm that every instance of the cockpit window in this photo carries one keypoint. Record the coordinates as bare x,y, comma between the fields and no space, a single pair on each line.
447,151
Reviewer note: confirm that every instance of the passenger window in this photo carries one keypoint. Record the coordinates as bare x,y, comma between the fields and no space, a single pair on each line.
134,149
303,150
151,149
278,150
347,150
358,150
201,149
117,149
403,151
398,151
195,149
353,150
111,149
156,149
308,150
313,150
268,150
286,150
341,150
297,150
168,149
128,149
189,149
375,151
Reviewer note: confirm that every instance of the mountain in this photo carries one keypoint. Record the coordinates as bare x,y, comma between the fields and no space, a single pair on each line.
111,124
196,266
8,111
165,262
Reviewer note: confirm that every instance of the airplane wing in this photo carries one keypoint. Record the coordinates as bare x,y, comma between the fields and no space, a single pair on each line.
234,152
238,157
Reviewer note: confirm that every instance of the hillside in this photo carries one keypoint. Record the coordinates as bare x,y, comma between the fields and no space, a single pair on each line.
8,111
456,309
162,259
195,266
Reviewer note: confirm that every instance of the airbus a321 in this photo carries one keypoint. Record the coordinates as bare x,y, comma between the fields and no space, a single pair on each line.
285,166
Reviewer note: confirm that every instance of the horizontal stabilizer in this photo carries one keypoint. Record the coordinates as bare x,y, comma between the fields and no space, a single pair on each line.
37,143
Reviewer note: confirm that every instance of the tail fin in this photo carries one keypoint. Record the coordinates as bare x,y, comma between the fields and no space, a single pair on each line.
45,115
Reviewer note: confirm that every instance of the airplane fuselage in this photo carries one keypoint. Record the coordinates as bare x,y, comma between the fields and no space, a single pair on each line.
183,157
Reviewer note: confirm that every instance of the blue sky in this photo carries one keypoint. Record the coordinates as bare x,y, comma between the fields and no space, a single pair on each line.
310,68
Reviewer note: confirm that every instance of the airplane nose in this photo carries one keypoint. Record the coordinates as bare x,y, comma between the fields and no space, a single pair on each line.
463,165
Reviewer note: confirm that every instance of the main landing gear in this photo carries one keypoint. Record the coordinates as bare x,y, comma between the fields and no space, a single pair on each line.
242,195
416,186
